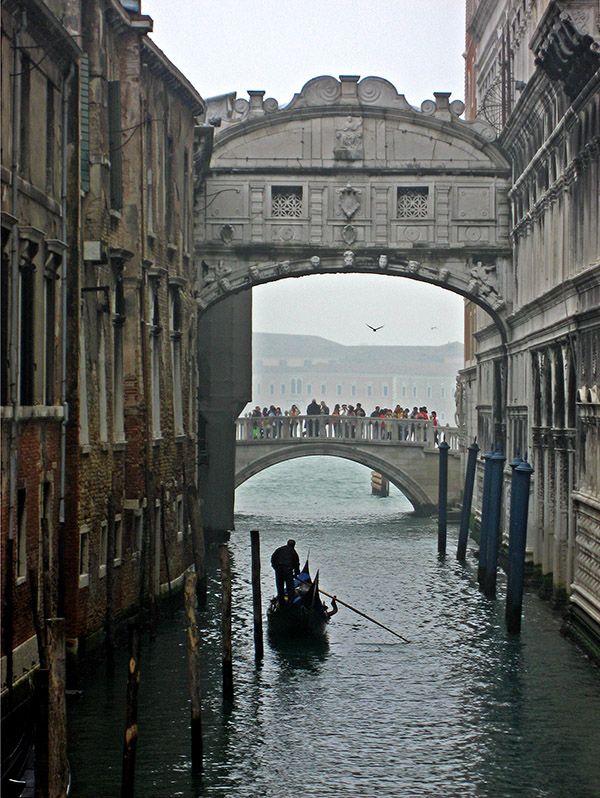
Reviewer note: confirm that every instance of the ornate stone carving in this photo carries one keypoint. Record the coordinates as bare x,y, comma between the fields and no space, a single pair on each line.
378,91
348,258
413,266
286,233
349,140
383,262
349,234
484,283
217,272
226,233
349,200
254,273
283,268
315,261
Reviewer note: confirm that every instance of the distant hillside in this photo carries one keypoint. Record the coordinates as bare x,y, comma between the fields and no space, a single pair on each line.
323,355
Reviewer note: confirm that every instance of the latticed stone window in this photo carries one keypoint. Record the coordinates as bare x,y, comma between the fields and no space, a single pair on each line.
286,202
413,203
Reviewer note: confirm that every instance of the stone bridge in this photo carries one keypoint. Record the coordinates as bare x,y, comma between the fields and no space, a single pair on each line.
403,451
347,178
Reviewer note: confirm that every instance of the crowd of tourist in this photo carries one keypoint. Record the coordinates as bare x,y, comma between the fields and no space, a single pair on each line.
268,420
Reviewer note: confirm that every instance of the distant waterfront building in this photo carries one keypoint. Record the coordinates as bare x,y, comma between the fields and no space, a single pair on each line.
294,369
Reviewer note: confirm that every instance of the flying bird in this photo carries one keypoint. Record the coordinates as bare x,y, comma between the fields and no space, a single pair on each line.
374,328
434,328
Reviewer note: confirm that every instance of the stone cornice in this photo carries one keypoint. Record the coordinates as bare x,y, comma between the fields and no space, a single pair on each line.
173,78
327,96
121,19
481,17
45,27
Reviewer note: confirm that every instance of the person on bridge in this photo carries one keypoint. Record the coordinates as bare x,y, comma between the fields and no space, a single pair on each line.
286,564
312,427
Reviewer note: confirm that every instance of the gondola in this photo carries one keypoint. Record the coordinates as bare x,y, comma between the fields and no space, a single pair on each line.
305,617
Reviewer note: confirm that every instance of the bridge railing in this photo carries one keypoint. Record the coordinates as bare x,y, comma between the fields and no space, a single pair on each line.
376,430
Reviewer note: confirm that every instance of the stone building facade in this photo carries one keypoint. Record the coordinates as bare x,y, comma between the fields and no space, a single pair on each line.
102,451
533,71
294,369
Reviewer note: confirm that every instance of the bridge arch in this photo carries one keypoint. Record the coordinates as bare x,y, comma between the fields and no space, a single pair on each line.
422,501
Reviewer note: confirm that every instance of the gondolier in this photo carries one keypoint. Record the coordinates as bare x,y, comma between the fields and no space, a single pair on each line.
286,564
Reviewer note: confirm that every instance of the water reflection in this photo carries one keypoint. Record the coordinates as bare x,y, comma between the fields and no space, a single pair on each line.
463,710
307,655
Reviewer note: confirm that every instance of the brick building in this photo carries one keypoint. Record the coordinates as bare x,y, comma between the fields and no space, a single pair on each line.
99,417
40,214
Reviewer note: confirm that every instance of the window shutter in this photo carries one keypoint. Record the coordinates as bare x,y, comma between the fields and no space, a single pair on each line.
84,117
114,142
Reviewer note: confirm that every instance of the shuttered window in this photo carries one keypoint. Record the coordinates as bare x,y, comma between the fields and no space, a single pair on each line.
84,121
114,141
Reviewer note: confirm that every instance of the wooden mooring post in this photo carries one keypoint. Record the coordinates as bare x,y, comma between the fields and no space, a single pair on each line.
198,540
465,516
41,681
259,650
131,727
57,710
497,461
193,652
226,622
443,497
517,539
485,512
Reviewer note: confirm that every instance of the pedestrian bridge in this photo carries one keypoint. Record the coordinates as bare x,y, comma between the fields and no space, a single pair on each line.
402,450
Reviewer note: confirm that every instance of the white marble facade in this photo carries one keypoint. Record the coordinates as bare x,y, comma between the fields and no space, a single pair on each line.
544,59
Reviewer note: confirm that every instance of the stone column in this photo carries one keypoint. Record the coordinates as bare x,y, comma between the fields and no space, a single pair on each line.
225,387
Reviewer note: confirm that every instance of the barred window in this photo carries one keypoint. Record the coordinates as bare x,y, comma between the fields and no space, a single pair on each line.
413,203
286,201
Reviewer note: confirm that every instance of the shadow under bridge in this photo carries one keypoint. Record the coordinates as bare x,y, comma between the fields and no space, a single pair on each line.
404,451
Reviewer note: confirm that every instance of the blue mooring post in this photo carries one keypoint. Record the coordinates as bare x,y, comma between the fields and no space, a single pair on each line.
517,538
443,497
497,461
465,516
485,513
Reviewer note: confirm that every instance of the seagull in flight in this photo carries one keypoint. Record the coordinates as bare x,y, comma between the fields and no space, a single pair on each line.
374,328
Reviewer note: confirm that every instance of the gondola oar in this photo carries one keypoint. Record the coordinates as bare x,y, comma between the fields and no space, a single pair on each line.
358,612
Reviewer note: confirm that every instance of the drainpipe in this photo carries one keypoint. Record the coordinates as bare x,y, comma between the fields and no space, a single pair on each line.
13,358
67,83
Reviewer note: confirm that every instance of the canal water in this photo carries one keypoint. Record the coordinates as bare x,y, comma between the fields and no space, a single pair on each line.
461,710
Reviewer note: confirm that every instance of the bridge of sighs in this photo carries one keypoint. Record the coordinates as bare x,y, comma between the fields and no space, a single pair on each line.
348,177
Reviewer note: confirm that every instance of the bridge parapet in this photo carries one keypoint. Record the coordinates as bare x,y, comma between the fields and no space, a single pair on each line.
384,432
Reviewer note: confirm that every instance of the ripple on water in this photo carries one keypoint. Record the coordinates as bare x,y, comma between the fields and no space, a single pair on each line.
461,711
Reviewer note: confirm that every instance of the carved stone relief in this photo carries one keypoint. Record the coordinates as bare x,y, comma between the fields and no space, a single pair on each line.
484,283
349,234
349,200
217,272
349,140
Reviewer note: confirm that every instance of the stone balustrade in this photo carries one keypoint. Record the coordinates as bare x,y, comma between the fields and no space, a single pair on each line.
387,431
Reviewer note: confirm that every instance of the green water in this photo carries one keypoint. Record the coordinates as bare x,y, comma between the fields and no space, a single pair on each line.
462,710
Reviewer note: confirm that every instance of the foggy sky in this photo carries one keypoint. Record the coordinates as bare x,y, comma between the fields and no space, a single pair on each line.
236,45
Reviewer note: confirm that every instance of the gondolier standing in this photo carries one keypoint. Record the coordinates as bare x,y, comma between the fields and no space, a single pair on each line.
286,564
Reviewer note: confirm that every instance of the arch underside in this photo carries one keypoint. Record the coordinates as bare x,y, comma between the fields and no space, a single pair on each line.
474,280
421,502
